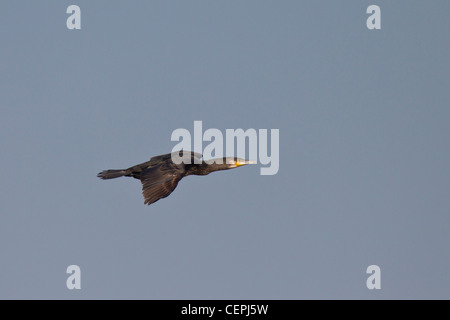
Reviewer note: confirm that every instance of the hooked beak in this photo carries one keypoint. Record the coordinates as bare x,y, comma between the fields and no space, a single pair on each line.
244,162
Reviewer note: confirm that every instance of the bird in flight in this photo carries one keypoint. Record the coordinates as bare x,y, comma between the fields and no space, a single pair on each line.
160,175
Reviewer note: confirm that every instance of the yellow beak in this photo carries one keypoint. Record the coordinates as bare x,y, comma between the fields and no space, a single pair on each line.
244,162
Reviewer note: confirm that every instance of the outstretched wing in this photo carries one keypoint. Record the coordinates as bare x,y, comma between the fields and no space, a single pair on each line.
158,182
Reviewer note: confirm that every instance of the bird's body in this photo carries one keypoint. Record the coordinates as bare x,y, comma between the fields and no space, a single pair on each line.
160,175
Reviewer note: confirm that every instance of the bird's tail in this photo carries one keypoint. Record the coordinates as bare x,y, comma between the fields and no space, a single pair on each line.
111,174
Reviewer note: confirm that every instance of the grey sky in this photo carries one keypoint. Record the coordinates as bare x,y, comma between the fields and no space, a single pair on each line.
364,149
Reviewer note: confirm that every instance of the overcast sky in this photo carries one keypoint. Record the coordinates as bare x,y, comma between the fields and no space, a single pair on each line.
363,118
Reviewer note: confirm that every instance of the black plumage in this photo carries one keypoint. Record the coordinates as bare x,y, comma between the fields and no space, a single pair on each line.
160,175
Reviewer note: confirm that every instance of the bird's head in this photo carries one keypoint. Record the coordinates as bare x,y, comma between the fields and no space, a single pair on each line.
208,166
229,162
234,162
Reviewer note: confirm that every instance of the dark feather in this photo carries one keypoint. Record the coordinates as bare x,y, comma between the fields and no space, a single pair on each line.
159,181
160,175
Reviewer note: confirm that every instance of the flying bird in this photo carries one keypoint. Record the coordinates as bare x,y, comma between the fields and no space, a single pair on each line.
160,175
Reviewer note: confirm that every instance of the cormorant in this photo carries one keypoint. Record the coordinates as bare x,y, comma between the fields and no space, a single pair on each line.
160,175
